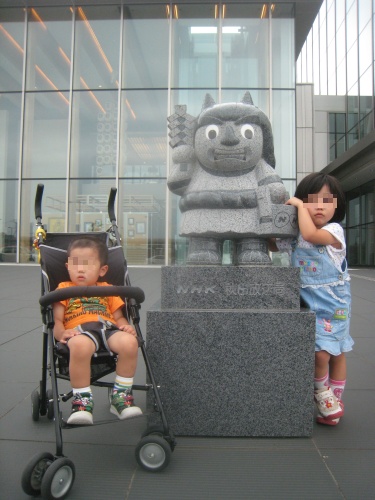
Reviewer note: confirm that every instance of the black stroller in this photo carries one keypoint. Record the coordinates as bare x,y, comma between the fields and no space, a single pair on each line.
49,475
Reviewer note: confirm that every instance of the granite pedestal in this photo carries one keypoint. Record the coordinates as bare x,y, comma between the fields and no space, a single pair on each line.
233,352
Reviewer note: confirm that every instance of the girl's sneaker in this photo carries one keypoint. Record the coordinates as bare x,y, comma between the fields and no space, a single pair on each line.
122,404
327,404
326,421
82,407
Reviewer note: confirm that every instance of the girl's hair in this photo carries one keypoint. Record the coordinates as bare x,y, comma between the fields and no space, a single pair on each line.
313,183
93,243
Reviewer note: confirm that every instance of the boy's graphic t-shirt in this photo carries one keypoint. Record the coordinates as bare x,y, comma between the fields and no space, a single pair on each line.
80,310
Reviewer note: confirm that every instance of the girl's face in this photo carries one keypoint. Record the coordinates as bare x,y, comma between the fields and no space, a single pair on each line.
321,206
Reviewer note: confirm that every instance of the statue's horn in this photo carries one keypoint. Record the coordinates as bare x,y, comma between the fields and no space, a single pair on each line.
247,98
208,102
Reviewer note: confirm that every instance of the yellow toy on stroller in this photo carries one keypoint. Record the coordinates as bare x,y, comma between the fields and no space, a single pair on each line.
52,475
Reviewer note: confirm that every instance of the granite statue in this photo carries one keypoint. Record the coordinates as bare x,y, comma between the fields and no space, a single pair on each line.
224,171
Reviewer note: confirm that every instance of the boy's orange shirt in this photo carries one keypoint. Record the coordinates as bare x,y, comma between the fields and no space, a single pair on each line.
80,310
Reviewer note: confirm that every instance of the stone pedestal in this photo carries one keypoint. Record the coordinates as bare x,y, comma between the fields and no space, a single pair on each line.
233,352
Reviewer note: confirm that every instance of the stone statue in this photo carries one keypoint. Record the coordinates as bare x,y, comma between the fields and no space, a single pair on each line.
223,169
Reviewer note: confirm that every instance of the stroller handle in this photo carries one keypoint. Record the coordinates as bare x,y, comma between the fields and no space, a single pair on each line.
130,292
38,201
111,204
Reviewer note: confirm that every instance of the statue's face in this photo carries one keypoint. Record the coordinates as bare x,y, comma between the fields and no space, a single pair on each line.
228,146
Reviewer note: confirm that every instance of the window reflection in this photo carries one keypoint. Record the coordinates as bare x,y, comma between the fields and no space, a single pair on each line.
143,146
146,62
46,134
97,47
88,205
8,221
48,48
94,134
141,220
195,47
10,122
12,51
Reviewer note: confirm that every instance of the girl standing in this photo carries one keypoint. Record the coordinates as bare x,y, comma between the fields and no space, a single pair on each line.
320,253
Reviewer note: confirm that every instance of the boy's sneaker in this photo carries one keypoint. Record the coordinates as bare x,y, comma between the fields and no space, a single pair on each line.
327,404
122,404
82,407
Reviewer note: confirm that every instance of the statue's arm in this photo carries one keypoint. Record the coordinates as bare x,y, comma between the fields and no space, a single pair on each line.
182,169
268,179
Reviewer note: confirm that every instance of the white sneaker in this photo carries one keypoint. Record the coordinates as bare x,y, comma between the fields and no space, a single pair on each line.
327,404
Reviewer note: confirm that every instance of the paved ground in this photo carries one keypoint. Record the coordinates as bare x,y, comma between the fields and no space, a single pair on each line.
335,463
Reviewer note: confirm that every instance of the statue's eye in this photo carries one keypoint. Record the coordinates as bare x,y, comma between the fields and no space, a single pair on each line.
212,131
247,131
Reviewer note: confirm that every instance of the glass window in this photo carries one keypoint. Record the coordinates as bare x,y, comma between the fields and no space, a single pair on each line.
53,211
365,52
145,62
97,47
8,221
323,57
283,51
245,46
94,134
10,122
283,127
352,65
141,220
351,24
364,13
340,44
49,38
88,205
194,46
143,134
12,28
45,134
340,13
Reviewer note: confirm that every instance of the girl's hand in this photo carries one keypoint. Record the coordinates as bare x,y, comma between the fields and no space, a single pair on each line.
295,202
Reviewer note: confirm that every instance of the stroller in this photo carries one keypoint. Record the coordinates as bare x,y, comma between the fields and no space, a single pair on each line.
49,475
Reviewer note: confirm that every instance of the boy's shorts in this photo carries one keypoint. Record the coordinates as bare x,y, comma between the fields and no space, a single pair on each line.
99,333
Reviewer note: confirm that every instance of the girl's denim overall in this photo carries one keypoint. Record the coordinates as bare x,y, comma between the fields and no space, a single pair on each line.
326,291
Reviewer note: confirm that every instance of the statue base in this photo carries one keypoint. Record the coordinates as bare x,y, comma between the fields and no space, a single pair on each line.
233,364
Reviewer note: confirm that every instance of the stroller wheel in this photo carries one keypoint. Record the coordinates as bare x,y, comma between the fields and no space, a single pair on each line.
153,453
58,479
50,409
33,474
35,405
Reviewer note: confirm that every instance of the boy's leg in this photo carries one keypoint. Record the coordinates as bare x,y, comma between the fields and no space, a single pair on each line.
81,349
125,346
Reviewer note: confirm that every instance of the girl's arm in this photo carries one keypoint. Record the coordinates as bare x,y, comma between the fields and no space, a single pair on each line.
307,228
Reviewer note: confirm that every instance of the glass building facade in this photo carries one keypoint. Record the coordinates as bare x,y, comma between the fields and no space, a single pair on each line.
338,58
85,93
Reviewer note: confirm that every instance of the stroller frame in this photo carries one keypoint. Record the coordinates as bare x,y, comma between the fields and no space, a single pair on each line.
52,475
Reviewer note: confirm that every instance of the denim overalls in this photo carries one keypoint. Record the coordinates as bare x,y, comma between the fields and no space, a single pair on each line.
326,291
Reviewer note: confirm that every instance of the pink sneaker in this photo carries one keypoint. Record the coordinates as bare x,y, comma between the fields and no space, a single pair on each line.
327,404
326,421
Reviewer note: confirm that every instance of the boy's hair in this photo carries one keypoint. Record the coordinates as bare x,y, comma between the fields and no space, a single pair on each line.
93,243
313,183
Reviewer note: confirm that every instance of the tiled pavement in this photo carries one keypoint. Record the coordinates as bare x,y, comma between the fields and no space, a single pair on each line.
335,463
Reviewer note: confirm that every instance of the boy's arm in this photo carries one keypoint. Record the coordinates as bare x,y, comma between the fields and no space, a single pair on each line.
122,323
59,332
308,229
